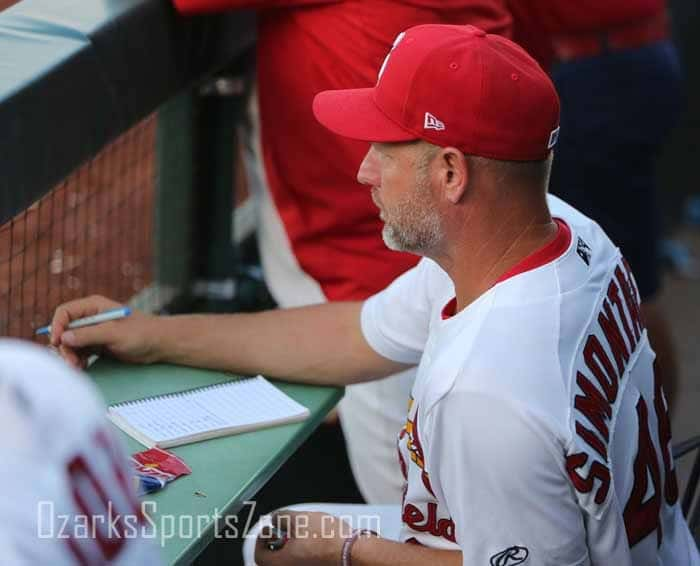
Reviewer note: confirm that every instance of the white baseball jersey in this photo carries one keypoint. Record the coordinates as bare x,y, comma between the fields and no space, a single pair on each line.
537,431
66,495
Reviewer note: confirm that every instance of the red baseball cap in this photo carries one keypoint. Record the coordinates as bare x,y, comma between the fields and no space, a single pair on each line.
452,86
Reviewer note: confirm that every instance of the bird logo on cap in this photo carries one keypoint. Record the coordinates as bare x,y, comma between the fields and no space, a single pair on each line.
388,55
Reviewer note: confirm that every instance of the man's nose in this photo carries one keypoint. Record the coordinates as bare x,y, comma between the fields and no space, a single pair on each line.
368,173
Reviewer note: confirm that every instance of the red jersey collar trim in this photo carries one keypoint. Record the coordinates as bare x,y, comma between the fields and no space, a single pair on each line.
450,309
538,258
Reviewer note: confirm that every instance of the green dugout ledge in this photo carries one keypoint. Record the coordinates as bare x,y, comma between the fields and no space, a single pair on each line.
226,472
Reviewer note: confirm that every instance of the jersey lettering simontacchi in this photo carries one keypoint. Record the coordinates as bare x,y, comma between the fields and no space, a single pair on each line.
537,431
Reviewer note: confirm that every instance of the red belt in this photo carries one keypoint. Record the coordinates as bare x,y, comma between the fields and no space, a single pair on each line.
590,44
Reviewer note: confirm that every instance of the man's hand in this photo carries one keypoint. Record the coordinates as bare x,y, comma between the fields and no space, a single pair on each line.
315,539
128,339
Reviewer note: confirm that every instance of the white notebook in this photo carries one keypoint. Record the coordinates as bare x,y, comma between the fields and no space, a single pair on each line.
206,412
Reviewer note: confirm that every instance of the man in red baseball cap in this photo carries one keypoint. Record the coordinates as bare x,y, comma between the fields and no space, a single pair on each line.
497,451
537,432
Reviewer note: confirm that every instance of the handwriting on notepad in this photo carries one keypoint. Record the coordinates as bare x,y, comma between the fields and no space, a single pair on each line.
223,408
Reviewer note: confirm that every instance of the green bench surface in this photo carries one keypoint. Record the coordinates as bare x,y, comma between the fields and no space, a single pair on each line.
226,472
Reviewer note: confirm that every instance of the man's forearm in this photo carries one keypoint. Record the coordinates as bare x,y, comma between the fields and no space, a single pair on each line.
372,551
319,344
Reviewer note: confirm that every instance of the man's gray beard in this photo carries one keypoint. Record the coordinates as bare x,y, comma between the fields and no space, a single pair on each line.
415,225
419,229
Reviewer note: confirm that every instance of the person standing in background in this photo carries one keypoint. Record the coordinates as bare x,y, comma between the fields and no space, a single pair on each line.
618,76
319,236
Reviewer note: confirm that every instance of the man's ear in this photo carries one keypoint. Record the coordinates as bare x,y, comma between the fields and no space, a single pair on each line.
454,174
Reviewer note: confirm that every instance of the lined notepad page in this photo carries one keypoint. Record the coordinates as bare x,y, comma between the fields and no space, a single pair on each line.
245,404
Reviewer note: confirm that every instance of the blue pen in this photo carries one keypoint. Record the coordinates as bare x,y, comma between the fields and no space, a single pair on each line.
112,314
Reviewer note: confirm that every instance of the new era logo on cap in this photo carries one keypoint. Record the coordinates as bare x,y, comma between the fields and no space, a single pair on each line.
553,138
432,123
